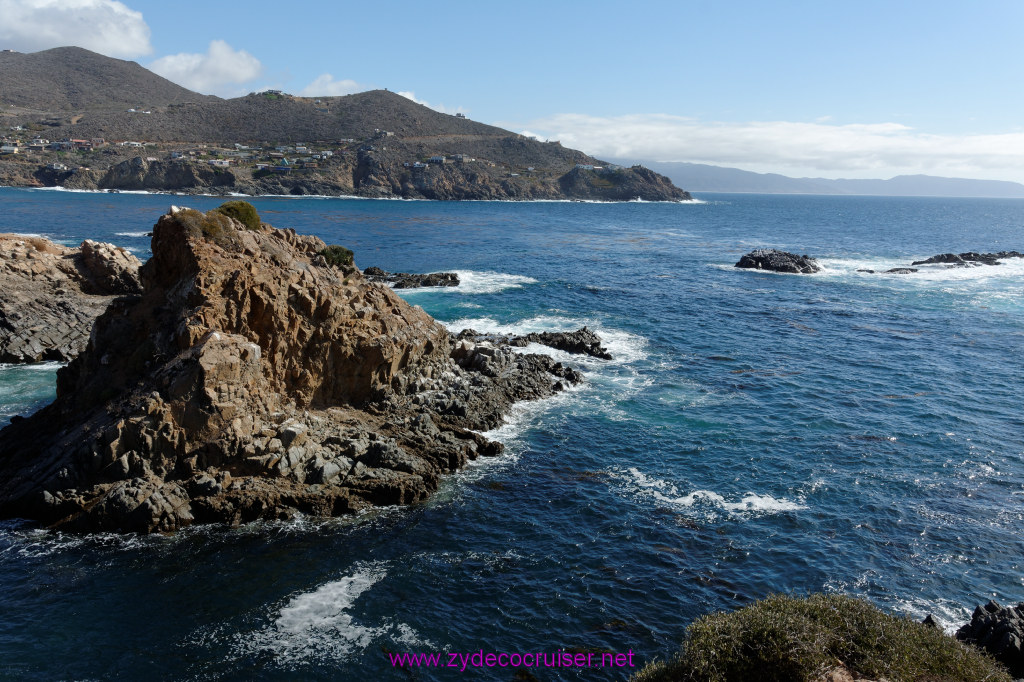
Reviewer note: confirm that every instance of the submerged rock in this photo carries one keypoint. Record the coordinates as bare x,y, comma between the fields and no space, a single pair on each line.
1000,632
52,294
779,261
407,280
251,379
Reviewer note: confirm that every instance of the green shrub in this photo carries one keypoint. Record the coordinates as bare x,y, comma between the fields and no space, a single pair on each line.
212,226
791,639
338,256
242,211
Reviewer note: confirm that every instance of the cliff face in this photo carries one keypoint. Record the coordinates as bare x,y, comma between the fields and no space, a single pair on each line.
52,294
370,173
253,379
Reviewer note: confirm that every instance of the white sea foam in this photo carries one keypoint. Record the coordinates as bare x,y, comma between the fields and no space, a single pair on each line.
51,366
649,488
132,234
319,625
1011,269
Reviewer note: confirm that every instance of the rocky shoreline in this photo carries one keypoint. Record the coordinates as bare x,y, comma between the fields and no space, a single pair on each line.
363,173
256,377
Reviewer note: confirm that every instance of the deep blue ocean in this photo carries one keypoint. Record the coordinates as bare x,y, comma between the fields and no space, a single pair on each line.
755,433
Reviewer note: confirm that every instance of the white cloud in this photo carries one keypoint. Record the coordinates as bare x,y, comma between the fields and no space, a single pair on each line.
325,85
221,71
104,26
436,107
819,148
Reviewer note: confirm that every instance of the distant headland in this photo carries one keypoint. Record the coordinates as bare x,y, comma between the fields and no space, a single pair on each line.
73,118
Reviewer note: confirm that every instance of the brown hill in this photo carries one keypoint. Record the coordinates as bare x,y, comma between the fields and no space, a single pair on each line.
379,139
68,79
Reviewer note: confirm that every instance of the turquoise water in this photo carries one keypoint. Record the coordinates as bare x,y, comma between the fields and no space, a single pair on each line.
755,433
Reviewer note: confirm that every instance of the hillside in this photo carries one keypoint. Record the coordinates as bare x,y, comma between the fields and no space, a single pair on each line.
370,144
67,79
700,177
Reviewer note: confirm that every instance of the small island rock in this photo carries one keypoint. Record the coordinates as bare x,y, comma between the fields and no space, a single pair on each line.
779,261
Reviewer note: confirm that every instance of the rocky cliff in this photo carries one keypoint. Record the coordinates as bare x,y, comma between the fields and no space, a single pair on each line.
257,375
52,294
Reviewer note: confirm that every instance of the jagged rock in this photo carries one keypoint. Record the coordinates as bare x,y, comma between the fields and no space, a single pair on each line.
52,294
969,258
582,341
778,261
252,380
406,280
1000,632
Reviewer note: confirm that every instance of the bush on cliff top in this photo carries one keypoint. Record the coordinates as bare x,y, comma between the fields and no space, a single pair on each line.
789,639
338,256
212,226
242,211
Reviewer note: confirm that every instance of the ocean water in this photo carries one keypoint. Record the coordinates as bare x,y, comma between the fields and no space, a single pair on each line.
754,433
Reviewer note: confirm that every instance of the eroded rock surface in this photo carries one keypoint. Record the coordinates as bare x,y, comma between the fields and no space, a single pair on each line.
52,294
252,380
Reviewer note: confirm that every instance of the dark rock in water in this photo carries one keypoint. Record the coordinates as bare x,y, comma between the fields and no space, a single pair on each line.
930,621
892,271
1000,632
50,295
969,258
251,380
406,280
779,261
581,342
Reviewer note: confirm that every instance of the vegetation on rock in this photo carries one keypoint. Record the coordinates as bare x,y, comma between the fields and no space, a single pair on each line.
792,639
243,212
338,256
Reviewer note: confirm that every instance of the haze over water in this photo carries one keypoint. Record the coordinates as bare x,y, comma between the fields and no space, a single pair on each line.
754,433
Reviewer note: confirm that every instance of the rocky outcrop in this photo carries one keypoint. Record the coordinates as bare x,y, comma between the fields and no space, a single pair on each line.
581,342
52,294
779,261
406,280
251,379
1000,632
139,174
620,184
969,258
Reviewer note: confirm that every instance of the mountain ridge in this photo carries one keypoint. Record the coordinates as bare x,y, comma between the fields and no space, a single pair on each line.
699,177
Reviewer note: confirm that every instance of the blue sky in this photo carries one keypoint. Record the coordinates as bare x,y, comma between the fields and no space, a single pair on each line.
868,89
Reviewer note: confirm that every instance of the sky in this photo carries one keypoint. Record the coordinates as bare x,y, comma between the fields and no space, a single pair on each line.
807,89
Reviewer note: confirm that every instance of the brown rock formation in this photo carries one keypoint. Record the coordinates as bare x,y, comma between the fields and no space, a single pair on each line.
52,294
253,380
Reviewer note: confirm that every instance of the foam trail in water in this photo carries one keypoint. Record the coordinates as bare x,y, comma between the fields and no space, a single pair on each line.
318,625
132,234
643,486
